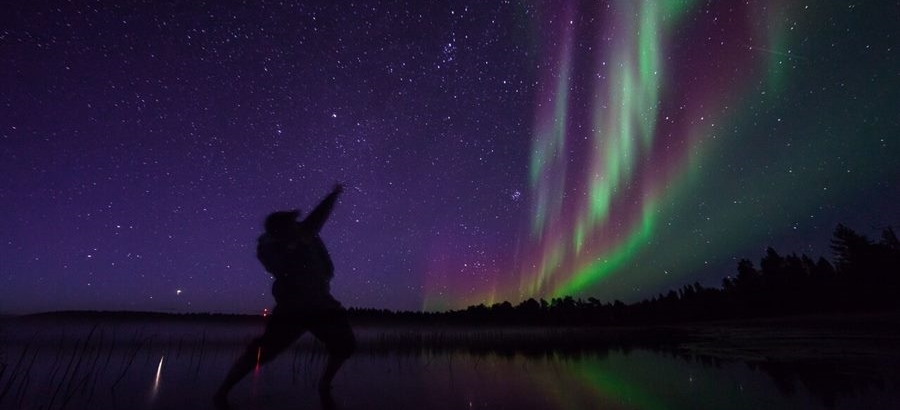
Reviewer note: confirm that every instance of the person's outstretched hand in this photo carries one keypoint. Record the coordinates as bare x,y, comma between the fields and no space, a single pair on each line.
338,188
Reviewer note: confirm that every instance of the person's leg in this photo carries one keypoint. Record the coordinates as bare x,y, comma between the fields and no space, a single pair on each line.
241,367
333,328
280,333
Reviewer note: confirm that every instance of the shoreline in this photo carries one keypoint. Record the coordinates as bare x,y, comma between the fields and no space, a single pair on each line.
812,337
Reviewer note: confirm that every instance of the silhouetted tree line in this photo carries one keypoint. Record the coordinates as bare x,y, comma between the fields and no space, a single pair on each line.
865,276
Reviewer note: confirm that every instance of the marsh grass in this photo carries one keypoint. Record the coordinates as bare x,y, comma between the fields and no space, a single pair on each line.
52,365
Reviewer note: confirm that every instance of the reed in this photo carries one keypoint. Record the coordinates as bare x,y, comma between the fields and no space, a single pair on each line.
19,370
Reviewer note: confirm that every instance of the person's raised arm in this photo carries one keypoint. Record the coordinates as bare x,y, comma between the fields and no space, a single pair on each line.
316,219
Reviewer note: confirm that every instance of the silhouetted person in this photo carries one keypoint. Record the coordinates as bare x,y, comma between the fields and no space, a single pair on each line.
295,255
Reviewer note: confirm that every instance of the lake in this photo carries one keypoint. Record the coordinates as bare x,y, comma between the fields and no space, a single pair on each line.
179,365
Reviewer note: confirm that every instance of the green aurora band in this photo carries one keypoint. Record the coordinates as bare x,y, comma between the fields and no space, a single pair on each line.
672,138
623,124
590,226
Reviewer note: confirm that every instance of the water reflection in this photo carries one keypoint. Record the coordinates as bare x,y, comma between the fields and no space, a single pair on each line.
156,380
648,380
830,381
608,388
105,369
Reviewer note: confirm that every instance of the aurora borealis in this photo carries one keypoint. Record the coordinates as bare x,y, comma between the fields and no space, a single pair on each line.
648,123
492,150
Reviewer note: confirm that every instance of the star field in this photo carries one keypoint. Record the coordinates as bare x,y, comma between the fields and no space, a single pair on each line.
491,150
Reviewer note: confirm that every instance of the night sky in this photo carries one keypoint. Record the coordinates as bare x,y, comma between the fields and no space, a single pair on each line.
491,150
